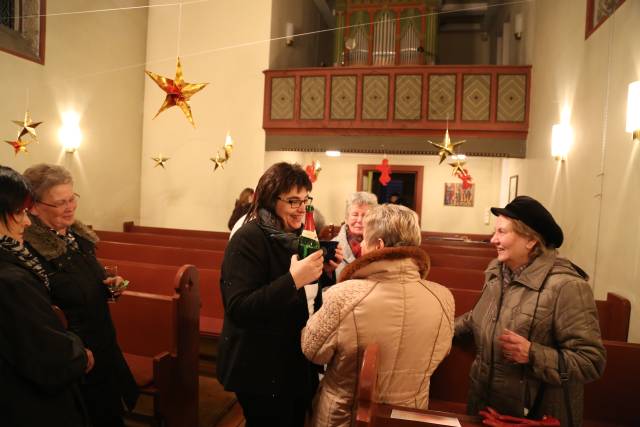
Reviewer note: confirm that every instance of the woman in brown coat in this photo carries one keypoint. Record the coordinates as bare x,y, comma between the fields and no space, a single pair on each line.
535,307
384,293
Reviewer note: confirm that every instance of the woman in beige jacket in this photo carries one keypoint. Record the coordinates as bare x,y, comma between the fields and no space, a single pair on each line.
383,298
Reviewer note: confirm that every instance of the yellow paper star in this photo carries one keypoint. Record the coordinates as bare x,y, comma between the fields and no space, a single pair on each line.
220,160
27,126
178,92
19,146
447,148
457,162
160,160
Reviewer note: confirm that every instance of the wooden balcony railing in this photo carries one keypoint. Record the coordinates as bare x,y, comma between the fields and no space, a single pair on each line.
482,101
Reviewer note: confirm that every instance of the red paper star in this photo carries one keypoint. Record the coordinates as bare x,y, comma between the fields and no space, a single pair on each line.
19,146
465,178
178,91
313,170
385,172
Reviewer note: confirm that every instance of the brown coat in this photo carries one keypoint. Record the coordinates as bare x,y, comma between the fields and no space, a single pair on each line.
551,304
384,300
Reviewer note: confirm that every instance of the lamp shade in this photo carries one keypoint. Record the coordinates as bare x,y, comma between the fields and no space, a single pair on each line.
561,140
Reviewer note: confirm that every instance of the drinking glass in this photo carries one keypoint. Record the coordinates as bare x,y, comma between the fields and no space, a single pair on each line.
111,271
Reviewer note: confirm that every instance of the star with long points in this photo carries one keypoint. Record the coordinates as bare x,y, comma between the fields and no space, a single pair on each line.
160,160
178,91
219,160
447,148
18,145
27,126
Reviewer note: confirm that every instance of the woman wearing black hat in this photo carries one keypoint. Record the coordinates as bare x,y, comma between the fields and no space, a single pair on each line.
536,317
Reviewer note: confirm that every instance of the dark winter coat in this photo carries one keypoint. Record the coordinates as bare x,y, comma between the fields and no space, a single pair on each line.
259,349
40,362
77,288
552,305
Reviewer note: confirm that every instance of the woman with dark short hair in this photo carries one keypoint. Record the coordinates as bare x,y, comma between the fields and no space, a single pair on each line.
265,303
40,362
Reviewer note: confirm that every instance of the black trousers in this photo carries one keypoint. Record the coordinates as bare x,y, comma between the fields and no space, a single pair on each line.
273,411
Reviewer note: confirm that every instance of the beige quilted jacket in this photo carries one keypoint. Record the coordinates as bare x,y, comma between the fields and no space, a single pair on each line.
382,299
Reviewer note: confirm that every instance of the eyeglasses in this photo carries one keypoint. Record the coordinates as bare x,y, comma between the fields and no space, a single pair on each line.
62,204
296,203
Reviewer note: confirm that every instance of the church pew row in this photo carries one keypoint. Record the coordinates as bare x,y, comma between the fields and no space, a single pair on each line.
460,261
489,252
463,237
130,227
218,244
461,278
614,313
161,279
162,255
609,401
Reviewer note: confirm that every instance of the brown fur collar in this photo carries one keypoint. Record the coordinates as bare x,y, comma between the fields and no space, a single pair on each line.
47,244
400,252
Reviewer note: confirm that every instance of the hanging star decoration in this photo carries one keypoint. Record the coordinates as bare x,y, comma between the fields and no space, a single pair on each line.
313,170
447,148
385,172
19,146
466,178
27,127
456,162
178,92
220,159
160,160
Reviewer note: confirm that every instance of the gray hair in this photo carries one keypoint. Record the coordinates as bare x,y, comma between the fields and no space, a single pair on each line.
360,198
42,177
395,225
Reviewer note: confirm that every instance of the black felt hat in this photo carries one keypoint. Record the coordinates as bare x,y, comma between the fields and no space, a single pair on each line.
536,216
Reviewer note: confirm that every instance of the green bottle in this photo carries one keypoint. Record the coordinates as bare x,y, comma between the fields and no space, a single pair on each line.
308,242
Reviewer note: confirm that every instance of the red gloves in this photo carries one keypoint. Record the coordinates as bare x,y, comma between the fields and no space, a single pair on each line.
491,417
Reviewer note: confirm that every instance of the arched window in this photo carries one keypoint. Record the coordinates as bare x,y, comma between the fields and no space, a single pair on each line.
22,28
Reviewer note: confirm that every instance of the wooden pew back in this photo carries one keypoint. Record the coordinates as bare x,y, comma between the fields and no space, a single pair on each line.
130,227
218,244
459,261
489,252
161,255
459,278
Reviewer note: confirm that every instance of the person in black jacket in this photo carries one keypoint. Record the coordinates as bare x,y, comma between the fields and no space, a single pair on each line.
265,302
66,249
40,362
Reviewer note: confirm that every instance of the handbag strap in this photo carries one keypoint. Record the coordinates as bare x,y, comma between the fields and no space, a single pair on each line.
564,381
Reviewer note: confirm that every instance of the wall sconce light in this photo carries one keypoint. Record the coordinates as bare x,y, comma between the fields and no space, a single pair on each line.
69,133
561,141
518,23
333,153
288,33
633,110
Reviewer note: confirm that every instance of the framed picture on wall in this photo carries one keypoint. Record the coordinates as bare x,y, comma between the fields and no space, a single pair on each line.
513,187
456,195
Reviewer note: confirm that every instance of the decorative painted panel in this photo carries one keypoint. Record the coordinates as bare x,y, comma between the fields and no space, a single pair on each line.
408,102
343,97
512,91
476,97
282,97
312,98
375,97
442,96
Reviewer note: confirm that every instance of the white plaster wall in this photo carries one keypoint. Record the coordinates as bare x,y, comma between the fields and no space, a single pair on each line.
217,46
338,179
93,65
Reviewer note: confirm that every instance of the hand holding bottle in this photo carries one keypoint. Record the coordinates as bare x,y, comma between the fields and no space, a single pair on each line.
307,270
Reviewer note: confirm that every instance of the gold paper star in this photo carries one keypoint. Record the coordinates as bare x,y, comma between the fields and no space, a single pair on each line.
447,148
457,162
178,92
160,160
27,126
220,160
19,146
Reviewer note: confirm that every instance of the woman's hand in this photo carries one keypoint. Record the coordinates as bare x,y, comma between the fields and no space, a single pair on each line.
307,270
515,348
331,266
114,284
90,360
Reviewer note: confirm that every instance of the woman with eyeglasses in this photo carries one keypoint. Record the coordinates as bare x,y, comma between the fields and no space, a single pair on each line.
263,290
40,362
66,250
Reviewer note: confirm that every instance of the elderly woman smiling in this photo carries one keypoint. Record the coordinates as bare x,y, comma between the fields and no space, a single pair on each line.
66,249
350,235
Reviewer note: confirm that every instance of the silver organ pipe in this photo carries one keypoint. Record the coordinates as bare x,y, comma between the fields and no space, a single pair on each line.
384,45
409,43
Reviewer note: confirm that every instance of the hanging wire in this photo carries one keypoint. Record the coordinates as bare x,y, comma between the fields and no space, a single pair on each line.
179,30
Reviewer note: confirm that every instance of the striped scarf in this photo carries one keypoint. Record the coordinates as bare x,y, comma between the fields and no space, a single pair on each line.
25,257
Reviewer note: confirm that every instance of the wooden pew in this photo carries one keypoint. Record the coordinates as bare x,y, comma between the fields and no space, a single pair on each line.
130,227
161,279
147,334
460,278
162,255
459,261
614,325
443,235
218,244
489,252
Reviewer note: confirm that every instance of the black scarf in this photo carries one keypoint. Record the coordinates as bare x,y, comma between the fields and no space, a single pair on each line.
271,225
26,258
